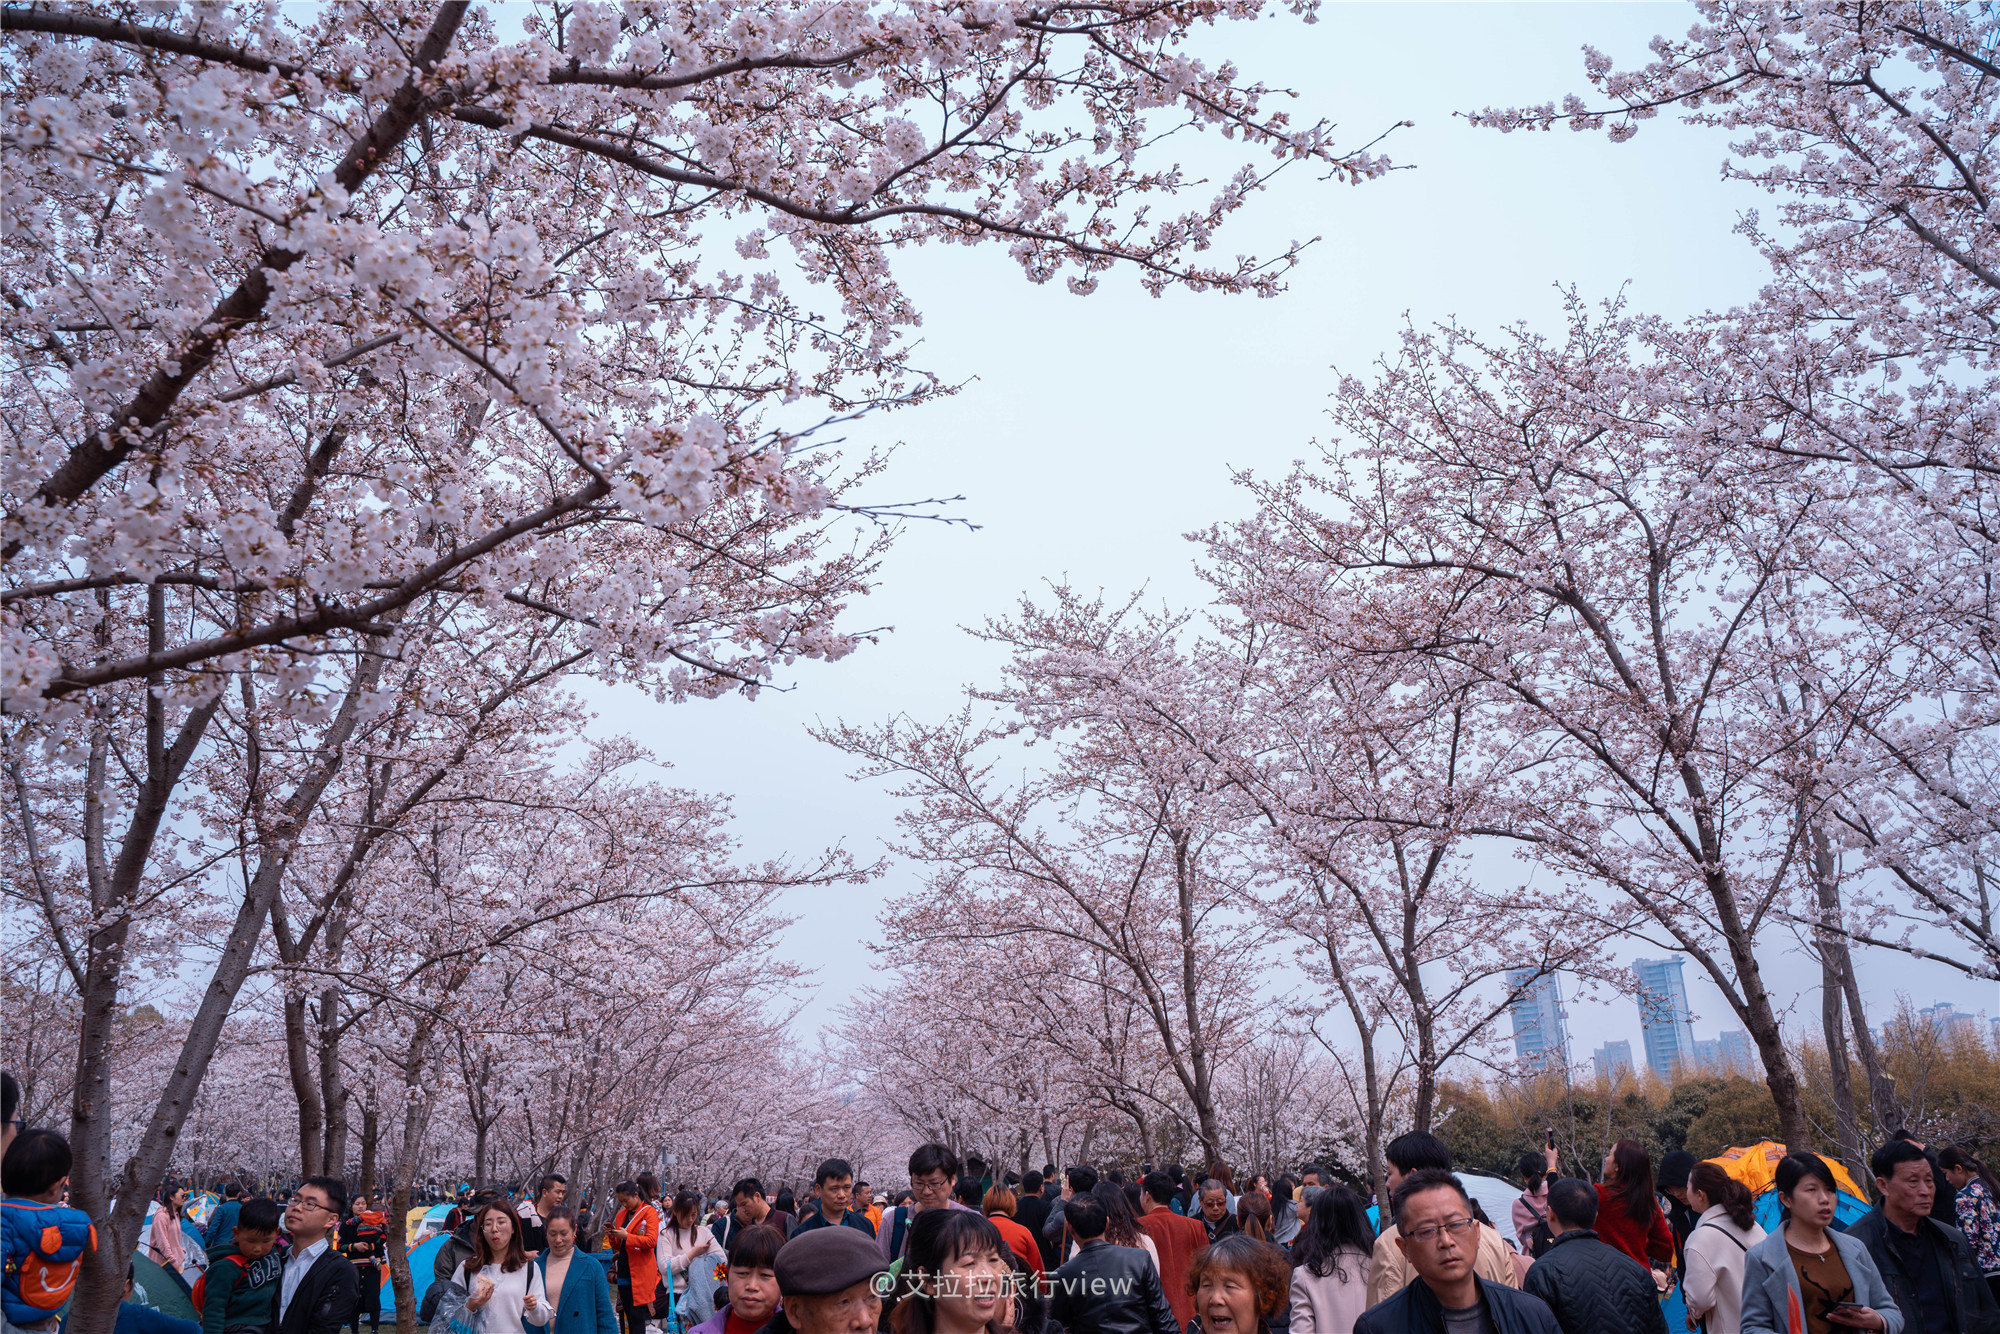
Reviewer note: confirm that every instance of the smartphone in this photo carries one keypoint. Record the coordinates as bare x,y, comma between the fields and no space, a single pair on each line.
1846,1308
1551,1133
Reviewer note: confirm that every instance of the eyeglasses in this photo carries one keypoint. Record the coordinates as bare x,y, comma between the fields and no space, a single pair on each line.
1457,1227
309,1204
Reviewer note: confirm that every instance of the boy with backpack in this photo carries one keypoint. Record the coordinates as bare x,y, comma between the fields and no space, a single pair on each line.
240,1289
44,1240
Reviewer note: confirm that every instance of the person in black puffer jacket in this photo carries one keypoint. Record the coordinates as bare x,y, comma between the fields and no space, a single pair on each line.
1593,1288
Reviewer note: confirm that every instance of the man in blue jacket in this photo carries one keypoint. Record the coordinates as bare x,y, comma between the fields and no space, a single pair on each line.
1438,1235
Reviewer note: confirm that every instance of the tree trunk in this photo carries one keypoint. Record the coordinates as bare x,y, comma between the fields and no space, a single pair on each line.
101,1282
371,1134
298,1064
1201,1091
1847,1128
416,1111
1753,1001
332,1088
1832,948
1881,1088
93,1187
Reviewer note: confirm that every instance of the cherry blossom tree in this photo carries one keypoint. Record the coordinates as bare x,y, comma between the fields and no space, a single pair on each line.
1587,528
320,328
1120,858
1870,126
1367,786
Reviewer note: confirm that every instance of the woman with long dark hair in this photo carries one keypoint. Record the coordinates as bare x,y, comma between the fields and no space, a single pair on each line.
1628,1214
1977,1201
961,1278
499,1283
1330,1260
1725,1229
684,1238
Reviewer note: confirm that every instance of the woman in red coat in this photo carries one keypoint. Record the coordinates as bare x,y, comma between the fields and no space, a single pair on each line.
1628,1216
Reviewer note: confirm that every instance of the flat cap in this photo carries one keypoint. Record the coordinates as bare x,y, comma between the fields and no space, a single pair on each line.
827,1259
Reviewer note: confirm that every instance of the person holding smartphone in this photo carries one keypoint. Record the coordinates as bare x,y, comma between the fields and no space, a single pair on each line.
1805,1277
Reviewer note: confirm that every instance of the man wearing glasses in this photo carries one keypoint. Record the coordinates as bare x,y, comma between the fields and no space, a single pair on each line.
1436,1233
933,1168
320,1292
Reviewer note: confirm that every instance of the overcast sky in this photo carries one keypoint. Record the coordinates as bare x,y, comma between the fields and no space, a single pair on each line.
1094,433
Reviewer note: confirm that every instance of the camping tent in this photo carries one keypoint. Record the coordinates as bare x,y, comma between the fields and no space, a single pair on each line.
1756,1166
1496,1197
423,1221
201,1207
155,1286
423,1258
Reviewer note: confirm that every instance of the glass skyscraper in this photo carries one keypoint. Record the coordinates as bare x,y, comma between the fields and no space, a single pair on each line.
1541,1031
1665,1021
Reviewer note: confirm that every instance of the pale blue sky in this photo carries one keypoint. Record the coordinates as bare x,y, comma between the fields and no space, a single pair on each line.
1096,432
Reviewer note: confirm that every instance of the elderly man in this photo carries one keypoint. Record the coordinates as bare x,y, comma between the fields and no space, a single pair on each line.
828,1281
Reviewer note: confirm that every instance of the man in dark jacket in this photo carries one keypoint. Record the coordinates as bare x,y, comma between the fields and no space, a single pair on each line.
1438,1235
320,1292
1928,1265
835,1185
1031,1211
1215,1215
1106,1289
749,1208
1592,1288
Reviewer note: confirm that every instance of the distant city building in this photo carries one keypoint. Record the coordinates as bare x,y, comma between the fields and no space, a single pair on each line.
1541,1030
1665,1021
1996,1030
1728,1053
1612,1059
1947,1020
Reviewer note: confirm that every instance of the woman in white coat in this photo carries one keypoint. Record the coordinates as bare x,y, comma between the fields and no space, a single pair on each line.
1724,1232
686,1243
1330,1263
500,1284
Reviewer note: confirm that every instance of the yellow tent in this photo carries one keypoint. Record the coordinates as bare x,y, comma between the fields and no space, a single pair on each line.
1756,1166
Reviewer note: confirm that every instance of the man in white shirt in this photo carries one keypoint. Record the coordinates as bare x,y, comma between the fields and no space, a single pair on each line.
320,1291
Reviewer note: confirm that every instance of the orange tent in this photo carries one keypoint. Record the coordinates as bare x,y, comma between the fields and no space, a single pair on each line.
1756,1166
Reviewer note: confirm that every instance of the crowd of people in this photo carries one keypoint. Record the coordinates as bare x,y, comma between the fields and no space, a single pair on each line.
968,1250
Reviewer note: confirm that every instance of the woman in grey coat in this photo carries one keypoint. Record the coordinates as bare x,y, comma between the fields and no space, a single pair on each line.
1803,1271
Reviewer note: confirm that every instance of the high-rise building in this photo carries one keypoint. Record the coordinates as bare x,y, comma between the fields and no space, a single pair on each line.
1665,1021
1739,1053
1612,1059
1541,1030
1947,1020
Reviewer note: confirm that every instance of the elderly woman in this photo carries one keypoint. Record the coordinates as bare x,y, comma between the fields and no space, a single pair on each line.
1238,1286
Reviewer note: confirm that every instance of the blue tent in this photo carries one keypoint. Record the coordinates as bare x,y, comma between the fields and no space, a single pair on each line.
422,1260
